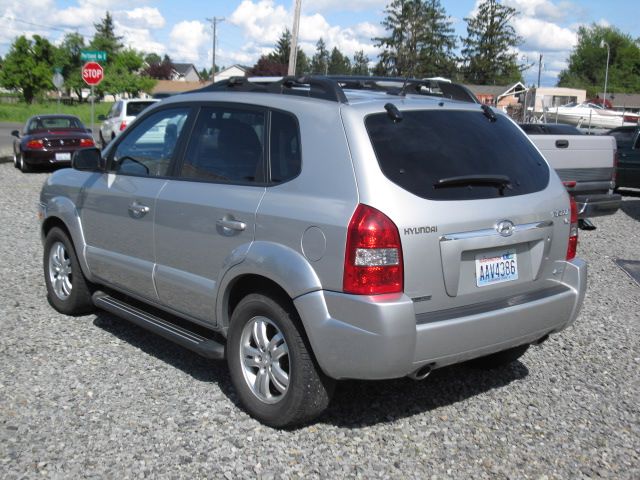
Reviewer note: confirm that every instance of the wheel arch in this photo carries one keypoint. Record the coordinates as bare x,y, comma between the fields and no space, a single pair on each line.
61,213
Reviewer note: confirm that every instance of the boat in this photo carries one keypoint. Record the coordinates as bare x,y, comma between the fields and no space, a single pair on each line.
590,115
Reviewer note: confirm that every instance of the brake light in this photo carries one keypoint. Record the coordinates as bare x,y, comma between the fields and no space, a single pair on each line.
570,184
373,256
123,125
572,248
86,142
35,144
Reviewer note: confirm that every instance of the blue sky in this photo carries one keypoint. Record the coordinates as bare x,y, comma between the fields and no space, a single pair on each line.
251,27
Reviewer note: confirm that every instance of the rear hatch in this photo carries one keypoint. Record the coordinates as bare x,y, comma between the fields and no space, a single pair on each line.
482,218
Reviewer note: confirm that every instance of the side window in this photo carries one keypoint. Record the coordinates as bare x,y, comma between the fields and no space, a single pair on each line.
285,156
115,110
226,145
147,149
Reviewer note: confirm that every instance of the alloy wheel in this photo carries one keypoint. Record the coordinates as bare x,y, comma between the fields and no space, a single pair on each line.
60,272
264,358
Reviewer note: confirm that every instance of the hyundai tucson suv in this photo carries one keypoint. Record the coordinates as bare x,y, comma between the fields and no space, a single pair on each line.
316,229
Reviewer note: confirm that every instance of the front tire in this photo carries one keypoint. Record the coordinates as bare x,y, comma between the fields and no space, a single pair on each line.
272,367
68,291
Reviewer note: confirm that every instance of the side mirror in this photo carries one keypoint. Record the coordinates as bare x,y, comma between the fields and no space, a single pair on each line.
101,117
15,133
87,159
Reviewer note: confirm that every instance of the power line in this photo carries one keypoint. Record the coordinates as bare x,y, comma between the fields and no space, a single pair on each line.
45,27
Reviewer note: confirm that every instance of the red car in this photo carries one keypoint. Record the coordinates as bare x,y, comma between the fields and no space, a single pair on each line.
49,141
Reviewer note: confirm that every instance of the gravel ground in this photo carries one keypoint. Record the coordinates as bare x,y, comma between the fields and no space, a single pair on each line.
97,397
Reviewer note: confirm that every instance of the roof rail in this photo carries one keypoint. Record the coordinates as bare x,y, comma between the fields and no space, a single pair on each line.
332,87
309,86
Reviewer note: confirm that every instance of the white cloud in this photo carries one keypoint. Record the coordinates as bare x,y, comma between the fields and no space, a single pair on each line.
188,42
542,35
353,5
143,17
542,9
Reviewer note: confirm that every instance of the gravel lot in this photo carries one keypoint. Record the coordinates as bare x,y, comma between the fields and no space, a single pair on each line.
97,397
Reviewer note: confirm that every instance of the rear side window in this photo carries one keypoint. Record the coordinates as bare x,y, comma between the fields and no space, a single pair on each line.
448,155
285,155
623,136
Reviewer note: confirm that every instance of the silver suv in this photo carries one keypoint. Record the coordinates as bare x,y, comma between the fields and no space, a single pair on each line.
317,229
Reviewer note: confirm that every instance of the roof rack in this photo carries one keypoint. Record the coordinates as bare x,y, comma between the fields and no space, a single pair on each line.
332,87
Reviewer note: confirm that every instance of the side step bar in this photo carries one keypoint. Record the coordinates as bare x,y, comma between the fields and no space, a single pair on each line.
204,346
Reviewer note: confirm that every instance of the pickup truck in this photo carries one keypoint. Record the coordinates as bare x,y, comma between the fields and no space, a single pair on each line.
585,163
628,169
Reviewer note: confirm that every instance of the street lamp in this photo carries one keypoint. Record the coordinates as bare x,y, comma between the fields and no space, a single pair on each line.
606,74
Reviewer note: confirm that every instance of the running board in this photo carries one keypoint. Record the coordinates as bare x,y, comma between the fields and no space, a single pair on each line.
204,346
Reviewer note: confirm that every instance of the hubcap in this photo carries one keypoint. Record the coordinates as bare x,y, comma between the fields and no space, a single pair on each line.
60,274
264,357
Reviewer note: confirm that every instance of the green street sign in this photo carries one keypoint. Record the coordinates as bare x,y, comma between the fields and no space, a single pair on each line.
93,55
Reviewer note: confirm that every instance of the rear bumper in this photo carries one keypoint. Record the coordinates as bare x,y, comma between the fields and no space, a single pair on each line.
598,205
381,337
46,157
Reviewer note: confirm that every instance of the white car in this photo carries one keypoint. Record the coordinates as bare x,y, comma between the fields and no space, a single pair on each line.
122,113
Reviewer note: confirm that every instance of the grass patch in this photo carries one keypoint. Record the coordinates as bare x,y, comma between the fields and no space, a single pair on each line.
20,112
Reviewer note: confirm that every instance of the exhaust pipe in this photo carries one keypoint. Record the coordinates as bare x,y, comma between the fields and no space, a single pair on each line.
421,373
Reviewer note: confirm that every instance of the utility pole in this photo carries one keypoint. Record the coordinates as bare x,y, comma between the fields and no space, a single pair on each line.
293,53
214,22
539,69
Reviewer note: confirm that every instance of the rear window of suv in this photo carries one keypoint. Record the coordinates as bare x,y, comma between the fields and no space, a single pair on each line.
429,146
134,108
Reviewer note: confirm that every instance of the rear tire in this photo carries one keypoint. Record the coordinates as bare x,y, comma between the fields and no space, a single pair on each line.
499,359
272,366
68,291
24,166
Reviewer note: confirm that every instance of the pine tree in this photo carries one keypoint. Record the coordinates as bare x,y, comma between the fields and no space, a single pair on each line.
437,57
281,55
339,64
405,25
487,53
105,38
320,61
360,64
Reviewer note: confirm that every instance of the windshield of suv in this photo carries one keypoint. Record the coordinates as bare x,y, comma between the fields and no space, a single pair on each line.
134,108
456,155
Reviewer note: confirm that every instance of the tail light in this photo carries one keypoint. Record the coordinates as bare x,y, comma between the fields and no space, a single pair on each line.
123,125
615,167
572,248
86,142
570,184
35,144
373,256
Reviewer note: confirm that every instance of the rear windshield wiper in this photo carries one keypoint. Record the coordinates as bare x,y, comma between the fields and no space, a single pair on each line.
499,181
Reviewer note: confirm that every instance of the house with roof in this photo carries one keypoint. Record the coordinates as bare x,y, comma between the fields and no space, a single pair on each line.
498,95
185,72
629,102
233,71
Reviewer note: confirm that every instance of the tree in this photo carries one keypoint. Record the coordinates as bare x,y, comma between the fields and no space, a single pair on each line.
488,50
160,70
68,58
405,26
28,67
339,64
320,61
205,73
153,58
105,38
123,75
587,62
281,55
265,67
360,64
436,58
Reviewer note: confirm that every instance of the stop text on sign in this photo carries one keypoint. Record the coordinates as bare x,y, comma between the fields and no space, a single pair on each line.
92,73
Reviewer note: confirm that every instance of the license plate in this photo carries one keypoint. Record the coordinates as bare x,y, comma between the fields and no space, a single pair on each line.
63,156
496,267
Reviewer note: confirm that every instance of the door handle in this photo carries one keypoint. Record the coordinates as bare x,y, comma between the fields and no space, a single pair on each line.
562,143
227,224
138,210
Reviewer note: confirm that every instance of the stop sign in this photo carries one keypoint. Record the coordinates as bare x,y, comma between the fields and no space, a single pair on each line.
92,73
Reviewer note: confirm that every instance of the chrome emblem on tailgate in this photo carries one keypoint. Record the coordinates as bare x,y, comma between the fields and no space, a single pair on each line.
505,228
